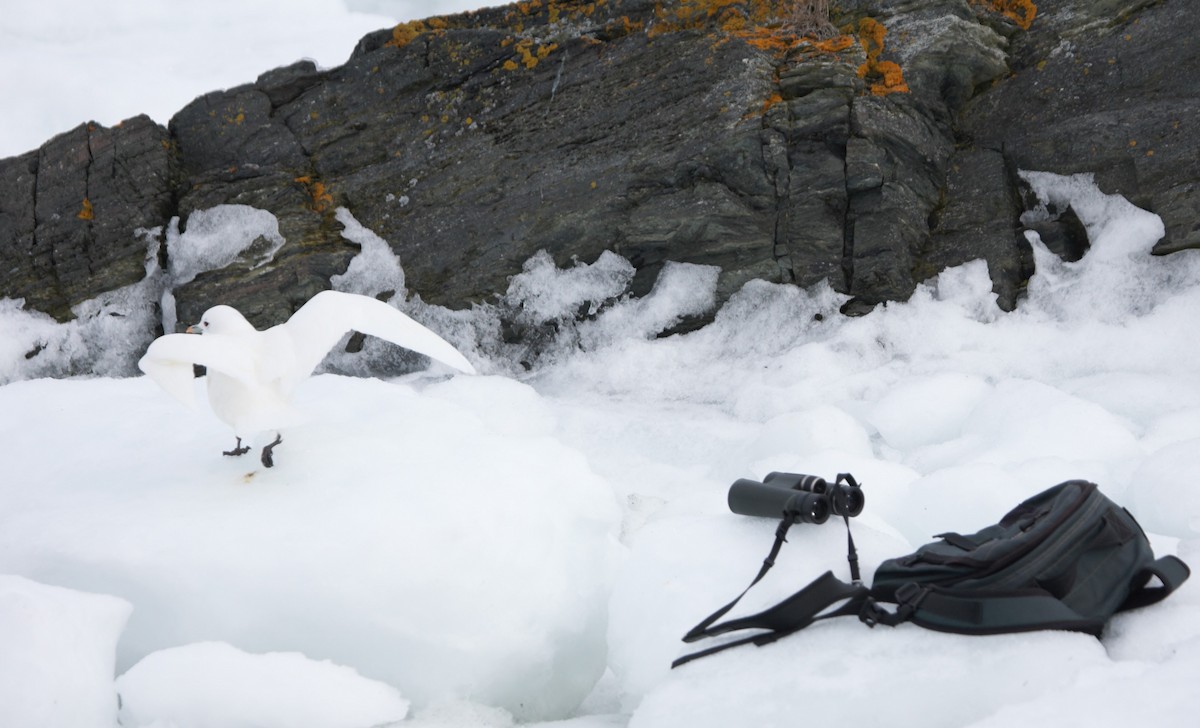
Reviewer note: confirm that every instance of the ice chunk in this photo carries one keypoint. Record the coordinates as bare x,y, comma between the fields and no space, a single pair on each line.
1117,277
681,290
376,269
219,236
544,292
57,648
211,684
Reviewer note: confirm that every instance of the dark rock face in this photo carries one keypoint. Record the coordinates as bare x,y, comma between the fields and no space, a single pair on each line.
1109,88
69,212
651,129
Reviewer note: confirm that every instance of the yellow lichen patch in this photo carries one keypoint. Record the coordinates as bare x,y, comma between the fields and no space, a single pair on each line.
885,77
86,212
406,33
528,55
553,10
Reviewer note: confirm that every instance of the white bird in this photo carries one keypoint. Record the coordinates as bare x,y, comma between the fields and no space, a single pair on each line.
252,374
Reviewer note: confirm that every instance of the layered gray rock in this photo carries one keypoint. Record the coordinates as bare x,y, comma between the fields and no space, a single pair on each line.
69,212
651,129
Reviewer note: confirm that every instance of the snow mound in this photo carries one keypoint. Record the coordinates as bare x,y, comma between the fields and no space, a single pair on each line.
57,650
453,554
216,685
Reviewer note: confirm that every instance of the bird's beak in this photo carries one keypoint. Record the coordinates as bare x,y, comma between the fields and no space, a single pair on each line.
194,329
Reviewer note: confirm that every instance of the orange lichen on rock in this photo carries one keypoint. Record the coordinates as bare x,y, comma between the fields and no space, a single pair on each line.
406,33
555,10
86,212
835,44
771,100
1021,12
527,55
885,77
769,39
727,15
319,197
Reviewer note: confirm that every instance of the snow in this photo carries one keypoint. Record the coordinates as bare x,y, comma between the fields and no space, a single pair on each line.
215,685
56,655
530,544
525,546
448,553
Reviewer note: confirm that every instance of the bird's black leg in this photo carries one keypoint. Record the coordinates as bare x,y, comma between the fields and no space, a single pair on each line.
267,461
239,450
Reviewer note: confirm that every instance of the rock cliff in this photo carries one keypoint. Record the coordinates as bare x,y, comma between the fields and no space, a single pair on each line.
706,131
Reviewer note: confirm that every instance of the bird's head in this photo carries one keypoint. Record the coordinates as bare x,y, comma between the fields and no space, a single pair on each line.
221,320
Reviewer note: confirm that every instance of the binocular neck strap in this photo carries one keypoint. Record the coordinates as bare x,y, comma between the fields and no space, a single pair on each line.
852,554
701,630
792,614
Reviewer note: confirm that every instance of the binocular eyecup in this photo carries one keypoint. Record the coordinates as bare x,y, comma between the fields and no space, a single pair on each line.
811,498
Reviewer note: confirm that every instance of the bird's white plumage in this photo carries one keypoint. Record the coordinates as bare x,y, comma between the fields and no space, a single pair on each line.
252,374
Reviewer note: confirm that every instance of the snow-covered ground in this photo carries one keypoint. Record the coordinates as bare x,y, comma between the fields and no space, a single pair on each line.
522,546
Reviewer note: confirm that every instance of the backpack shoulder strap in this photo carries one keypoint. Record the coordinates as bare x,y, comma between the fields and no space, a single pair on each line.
1170,571
792,614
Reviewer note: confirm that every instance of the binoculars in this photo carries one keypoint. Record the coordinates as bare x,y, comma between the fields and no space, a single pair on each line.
811,498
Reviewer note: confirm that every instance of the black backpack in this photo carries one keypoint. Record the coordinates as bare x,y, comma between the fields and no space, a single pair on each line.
1068,558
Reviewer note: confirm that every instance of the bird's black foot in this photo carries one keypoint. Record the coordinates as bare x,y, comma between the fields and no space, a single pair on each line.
239,450
267,460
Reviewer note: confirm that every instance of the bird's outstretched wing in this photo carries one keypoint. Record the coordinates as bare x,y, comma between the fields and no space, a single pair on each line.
169,362
321,323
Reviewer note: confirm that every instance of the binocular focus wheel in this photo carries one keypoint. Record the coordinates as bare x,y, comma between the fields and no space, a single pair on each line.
797,481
